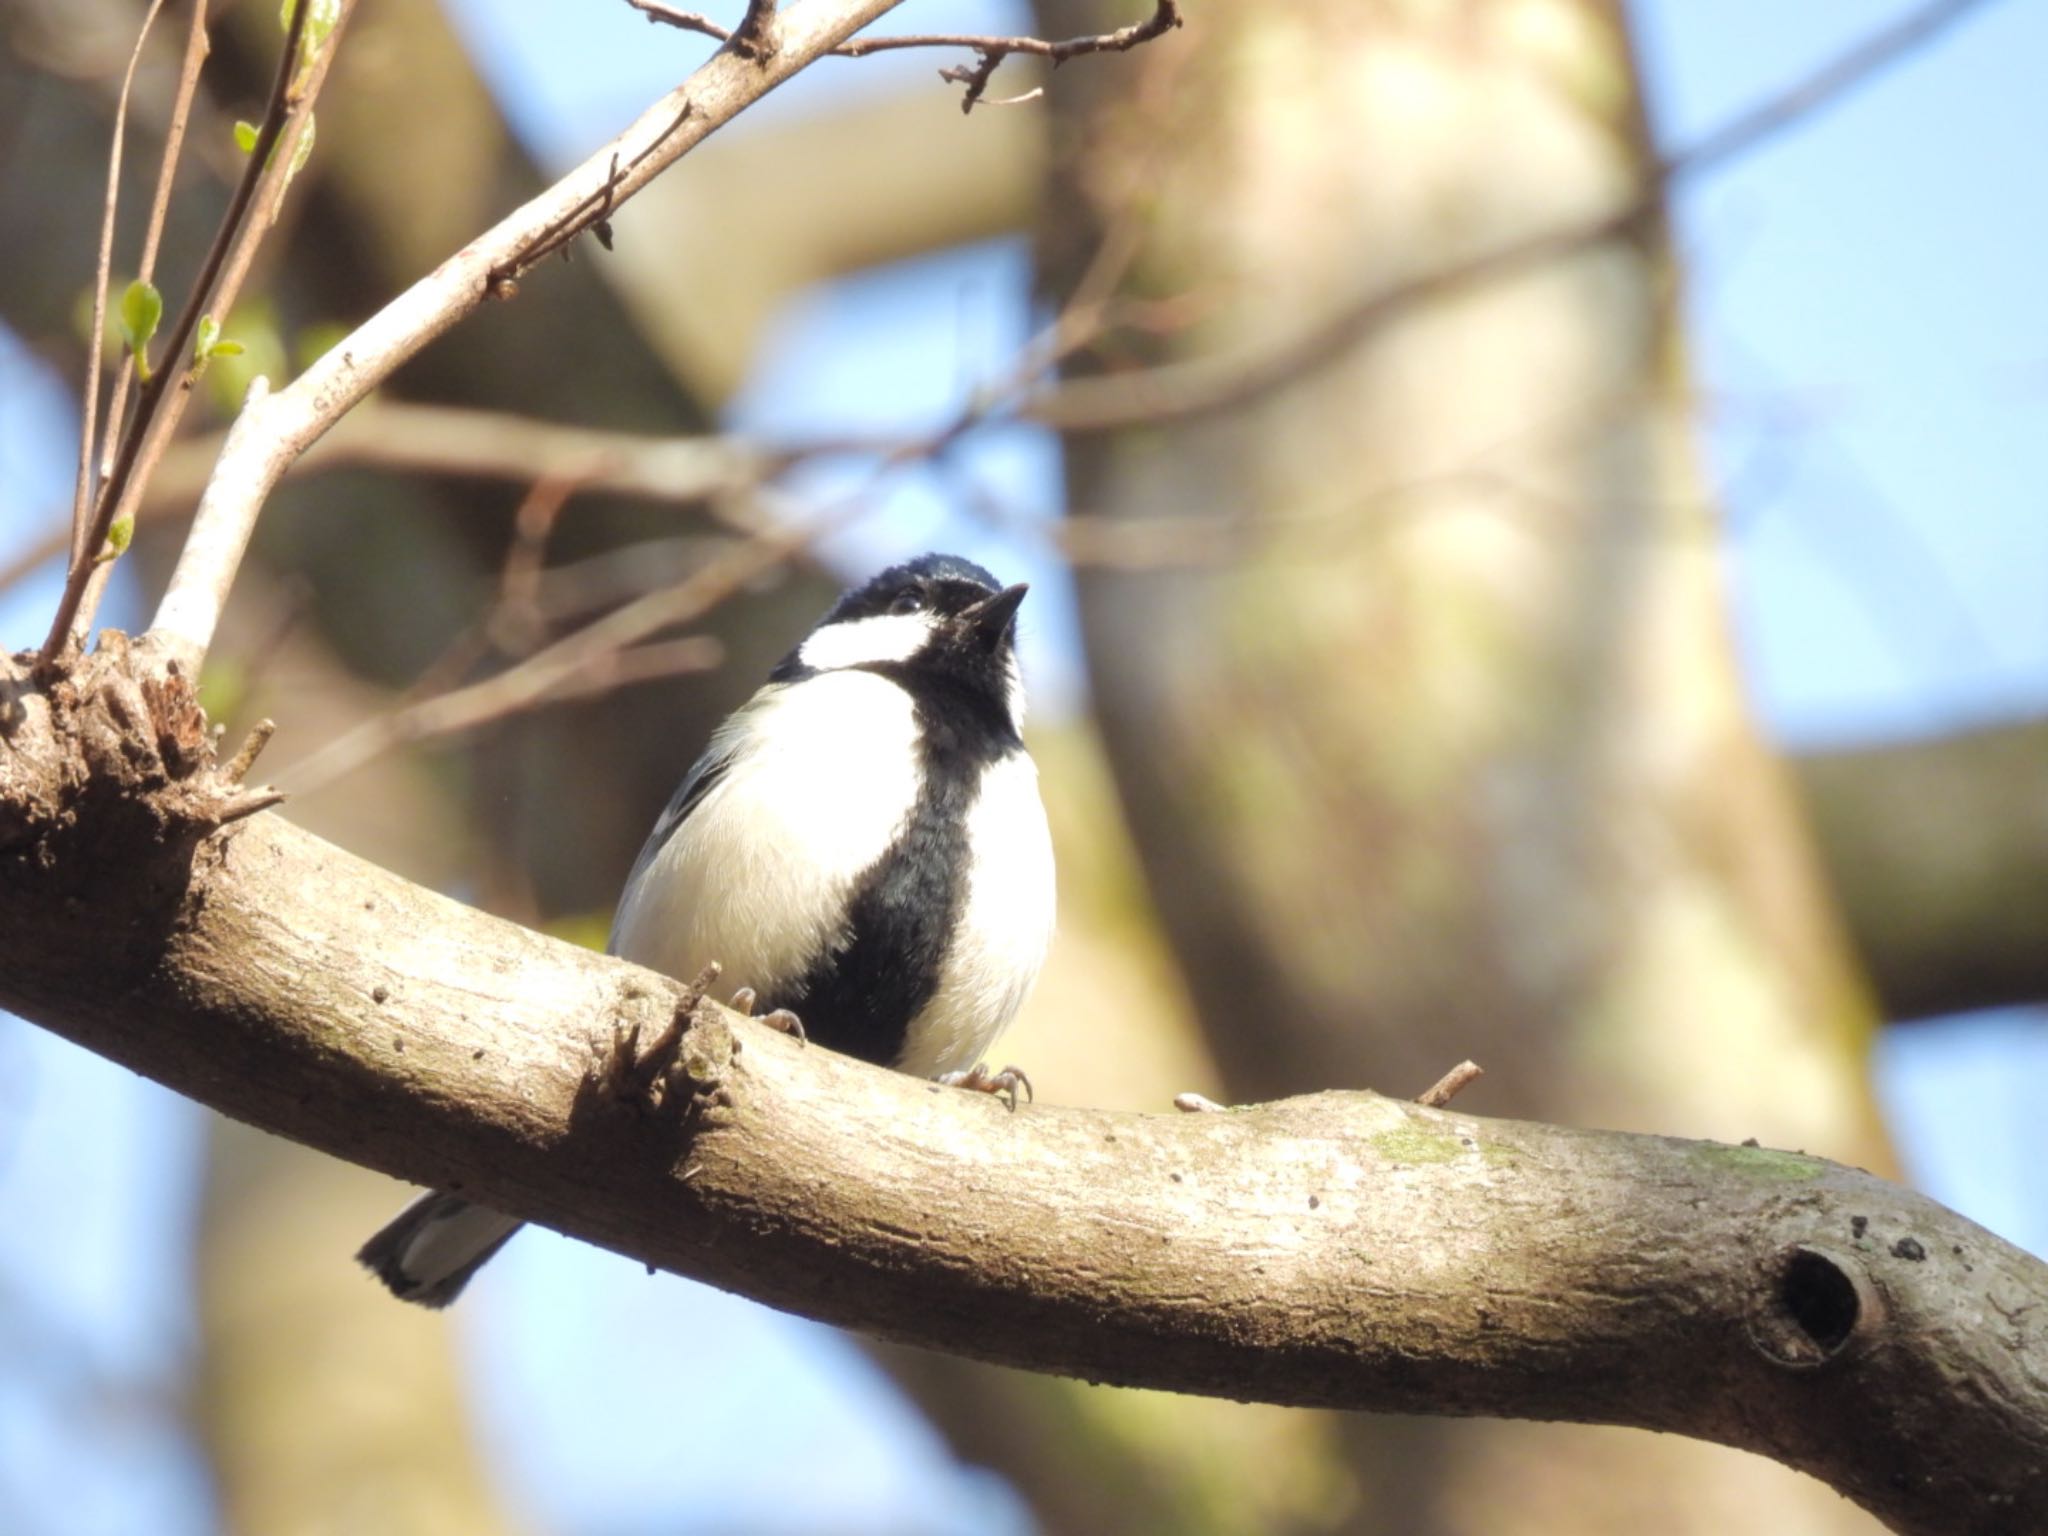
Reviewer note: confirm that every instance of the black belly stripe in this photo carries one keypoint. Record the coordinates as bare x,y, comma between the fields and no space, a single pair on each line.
860,999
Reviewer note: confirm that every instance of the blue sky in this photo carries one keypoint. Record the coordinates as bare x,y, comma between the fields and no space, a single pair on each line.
1875,362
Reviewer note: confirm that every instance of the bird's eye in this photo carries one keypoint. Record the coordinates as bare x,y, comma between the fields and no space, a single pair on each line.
908,601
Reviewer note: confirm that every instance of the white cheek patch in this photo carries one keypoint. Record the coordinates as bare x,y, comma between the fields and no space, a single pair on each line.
863,642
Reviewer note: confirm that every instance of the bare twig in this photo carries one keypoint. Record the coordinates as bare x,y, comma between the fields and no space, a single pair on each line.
592,213
1450,1085
244,806
558,670
259,736
990,51
196,47
276,429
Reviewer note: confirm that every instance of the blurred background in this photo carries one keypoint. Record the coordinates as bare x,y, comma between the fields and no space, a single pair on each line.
1629,671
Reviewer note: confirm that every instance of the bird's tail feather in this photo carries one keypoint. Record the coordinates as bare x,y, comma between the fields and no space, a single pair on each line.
428,1251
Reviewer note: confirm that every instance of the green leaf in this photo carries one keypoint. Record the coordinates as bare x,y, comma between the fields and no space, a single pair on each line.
118,535
209,343
245,136
142,309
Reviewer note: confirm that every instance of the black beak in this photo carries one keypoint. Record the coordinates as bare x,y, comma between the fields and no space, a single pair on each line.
989,620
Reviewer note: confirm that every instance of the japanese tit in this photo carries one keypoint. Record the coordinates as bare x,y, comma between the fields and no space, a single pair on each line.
862,844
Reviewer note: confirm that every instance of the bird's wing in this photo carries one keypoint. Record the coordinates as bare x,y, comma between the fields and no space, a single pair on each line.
704,776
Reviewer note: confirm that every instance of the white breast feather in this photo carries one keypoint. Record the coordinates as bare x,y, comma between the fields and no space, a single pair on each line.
1004,929
758,877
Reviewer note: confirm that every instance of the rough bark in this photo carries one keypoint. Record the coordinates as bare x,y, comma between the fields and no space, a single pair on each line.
1341,1249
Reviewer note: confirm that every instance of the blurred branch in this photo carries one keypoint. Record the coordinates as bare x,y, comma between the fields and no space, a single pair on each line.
501,445
1938,853
511,692
1298,1252
1855,66
1209,384
604,654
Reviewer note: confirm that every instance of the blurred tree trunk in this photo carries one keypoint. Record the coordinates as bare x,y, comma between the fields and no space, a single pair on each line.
1454,760
324,1408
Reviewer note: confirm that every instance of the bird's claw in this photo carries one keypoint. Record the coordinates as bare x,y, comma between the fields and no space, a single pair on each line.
788,1023
979,1079
782,1019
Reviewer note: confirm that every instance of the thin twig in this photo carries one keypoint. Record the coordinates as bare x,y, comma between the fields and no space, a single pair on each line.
196,48
258,738
990,51
159,405
1450,1085
593,213
81,496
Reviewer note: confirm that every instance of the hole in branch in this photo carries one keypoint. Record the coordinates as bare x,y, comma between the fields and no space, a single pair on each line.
1820,1299
1811,1305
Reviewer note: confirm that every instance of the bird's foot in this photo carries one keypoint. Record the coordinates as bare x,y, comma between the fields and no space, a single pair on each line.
743,1001
980,1080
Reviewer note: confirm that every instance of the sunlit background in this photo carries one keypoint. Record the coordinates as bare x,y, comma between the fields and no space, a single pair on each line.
1864,301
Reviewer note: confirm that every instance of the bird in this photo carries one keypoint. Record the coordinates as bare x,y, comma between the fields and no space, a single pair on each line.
861,846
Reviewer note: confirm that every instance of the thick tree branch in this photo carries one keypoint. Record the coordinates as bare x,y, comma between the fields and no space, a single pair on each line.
1341,1249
